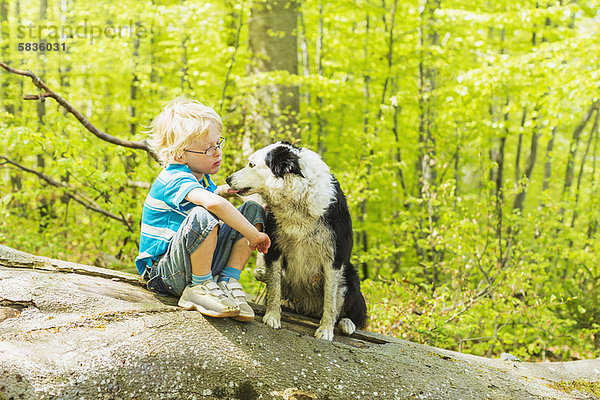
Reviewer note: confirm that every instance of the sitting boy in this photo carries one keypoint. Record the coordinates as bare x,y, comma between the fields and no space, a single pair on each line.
190,233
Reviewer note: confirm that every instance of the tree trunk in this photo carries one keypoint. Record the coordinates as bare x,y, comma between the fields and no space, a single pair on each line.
5,55
154,77
133,85
185,42
519,147
273,42
426,169
548,163
593,133
319,57
46,203
234,29
520,198
64,69
362,238
73,331
185,79
5,89
500,196
570,171
593,225
41,105
306,72
363,235
427,83
398,153
18,107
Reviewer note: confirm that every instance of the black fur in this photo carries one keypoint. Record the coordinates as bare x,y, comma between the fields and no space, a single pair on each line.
291,145
270,229
338,218
355,306
282,160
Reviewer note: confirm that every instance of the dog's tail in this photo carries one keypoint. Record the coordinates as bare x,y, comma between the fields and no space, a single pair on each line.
354,307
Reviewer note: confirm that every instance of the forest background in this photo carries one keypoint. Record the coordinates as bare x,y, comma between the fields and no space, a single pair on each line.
464,133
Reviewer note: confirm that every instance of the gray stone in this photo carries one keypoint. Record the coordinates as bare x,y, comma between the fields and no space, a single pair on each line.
70,331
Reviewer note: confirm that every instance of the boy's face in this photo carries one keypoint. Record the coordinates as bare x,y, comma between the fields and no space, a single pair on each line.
201,164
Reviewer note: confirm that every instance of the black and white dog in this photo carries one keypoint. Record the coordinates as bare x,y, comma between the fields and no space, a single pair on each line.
311,238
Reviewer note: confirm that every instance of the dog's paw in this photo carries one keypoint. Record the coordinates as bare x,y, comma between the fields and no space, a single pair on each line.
260,274
347,326
272,319
324,333
260,271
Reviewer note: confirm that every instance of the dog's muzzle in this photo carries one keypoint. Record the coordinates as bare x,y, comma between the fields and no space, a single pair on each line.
241,191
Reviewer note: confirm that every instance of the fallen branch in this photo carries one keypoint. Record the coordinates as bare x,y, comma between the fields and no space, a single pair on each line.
70,192
140,145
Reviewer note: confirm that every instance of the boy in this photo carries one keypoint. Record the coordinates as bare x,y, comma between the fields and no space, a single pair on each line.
190,233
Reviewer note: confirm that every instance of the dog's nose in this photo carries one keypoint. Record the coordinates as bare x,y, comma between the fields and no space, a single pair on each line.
228,180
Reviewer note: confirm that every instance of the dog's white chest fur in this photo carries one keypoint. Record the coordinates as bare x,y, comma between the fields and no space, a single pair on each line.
307,245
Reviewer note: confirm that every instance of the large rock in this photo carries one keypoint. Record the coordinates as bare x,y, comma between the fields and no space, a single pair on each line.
71,331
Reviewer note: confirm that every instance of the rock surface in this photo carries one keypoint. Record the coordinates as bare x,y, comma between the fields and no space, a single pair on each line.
70,331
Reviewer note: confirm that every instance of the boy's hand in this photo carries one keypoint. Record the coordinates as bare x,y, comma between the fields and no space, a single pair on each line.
226,191
261,243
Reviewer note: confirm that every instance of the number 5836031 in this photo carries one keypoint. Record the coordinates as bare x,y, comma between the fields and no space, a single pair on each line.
41,46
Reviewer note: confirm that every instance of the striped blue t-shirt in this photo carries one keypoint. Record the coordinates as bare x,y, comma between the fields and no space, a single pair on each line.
165,209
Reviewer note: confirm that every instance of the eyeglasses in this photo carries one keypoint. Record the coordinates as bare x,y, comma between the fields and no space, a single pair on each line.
211,150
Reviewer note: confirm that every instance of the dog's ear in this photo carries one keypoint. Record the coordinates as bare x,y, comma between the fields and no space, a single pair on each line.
282,160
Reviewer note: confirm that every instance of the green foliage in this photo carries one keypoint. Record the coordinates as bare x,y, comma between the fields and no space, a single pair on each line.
415,124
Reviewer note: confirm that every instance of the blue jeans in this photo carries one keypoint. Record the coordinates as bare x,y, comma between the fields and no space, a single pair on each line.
171,273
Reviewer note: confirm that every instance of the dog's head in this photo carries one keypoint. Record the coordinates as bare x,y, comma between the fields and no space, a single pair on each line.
269,167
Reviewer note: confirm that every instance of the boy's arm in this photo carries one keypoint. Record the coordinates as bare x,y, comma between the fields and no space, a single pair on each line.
226,212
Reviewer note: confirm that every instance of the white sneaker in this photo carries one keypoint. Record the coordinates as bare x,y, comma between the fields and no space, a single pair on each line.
209,299
235,292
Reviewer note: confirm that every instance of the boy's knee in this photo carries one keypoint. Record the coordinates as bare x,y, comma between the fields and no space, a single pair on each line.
199,219
213,234
198,226
253,211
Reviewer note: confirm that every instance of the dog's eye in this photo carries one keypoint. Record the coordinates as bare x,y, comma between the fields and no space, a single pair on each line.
251,165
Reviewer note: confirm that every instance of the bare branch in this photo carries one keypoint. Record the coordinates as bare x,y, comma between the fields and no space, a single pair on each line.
141,145
41,96
482,293
70,192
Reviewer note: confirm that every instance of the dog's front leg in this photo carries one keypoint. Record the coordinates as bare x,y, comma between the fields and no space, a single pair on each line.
325,330
273,314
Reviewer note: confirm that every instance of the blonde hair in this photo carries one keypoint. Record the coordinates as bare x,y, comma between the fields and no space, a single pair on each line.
180,122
